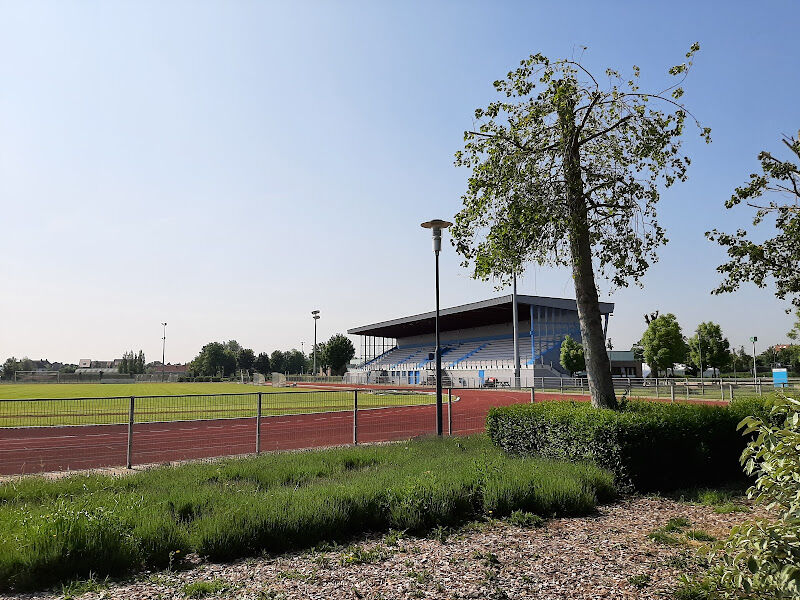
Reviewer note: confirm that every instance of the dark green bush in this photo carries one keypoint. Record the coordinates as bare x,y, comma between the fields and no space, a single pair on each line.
648,445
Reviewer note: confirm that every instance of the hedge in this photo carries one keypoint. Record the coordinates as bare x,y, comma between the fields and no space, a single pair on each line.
649,446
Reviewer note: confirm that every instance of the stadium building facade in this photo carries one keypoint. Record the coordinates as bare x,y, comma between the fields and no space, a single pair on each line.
477,342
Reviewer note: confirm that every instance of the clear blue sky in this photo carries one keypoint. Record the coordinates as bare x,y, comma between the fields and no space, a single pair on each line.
229,166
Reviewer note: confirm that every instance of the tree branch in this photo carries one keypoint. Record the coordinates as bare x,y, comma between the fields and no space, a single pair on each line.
516,143
605,131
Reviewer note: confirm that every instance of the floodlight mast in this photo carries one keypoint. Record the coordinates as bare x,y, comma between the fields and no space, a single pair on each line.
436,226
315,316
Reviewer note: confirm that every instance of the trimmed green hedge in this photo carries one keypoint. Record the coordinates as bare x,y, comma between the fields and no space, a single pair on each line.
648,445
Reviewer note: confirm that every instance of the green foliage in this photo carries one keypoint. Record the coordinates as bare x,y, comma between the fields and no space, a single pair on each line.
132,363
761,558
338,352
9,367
245,360
572,355
76,588
277,361
525,519
708,348
56,530
776,260
677,524
295,361
552,112
794,332
649,445
201,589
215,359
663,343
640,581
262,364
700,535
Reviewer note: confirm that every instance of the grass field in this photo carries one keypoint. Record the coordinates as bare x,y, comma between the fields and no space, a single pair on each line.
21,405
54,530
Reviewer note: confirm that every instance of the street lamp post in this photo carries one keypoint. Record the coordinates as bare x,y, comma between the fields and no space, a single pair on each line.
315,316
754,339
303,352
163,352
436,226
515,317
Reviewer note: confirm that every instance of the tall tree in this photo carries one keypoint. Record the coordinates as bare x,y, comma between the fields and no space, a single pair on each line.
278,361
708,347
338,352
261,364
794,332
246,359
295,361
776,258
663,343
572,358
215,359
10,367
570,171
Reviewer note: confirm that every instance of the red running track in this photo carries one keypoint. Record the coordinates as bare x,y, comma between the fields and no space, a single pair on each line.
49,449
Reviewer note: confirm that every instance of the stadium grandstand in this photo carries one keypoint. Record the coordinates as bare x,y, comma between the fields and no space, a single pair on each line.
477,342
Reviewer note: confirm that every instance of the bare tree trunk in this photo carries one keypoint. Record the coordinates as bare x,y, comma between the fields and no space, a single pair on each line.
598,367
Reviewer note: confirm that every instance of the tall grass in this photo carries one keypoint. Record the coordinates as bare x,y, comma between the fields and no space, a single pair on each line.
54,531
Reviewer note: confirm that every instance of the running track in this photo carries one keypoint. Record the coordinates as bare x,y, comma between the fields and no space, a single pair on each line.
48,449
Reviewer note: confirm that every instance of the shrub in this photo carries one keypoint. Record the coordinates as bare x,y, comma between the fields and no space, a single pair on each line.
761,559
648,445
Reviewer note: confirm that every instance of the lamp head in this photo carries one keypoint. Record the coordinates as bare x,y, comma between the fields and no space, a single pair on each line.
436,226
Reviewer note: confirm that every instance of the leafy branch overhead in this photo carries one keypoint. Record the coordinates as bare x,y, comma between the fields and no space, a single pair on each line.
627,143
778,257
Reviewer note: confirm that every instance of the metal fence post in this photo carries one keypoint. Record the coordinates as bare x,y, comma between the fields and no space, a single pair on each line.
449,411
730,390
355,417
686,383
129,462
533,393
672,391
721,389
561,382
258,425
657,393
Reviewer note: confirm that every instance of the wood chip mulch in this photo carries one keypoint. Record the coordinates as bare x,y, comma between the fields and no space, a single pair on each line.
607,555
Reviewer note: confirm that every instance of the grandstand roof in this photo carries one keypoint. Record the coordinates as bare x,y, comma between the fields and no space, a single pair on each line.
475,314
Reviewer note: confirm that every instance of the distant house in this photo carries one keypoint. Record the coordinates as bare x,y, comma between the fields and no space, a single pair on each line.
624,363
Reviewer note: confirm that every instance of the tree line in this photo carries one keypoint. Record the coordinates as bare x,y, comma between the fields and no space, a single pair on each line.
663,345
132,364
225,359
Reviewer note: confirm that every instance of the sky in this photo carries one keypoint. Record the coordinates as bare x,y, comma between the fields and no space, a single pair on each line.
228,167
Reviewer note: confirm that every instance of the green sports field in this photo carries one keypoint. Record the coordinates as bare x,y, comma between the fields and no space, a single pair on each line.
32,405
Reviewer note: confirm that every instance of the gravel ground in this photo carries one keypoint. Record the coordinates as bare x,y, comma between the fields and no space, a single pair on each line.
608,555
